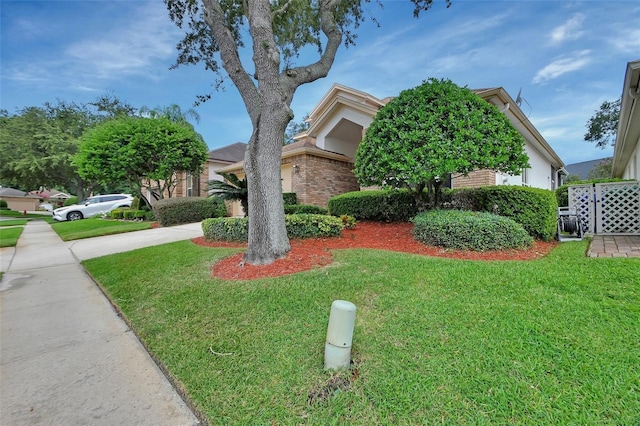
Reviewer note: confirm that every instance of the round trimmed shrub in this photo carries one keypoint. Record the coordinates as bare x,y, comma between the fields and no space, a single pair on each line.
467,230
3,204
393,205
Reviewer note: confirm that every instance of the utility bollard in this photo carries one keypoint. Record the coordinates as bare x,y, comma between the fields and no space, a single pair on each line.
337,349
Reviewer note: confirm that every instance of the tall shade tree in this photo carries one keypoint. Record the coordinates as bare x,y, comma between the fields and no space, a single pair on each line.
602,127
279,30
433,130
143,152
37,145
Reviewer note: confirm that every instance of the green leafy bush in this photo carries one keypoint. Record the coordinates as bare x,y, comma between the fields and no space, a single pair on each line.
562,193
534,208
348,222
298,226
70,201
135,203
380,205
469,230
176,211
3,204
290,198
303,208
149,215
116,214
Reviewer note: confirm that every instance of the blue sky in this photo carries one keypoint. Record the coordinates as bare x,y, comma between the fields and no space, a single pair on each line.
567,56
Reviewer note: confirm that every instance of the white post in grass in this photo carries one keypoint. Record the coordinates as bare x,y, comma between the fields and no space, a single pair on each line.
337,350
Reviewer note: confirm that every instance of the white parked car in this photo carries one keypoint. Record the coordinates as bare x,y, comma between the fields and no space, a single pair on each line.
93,206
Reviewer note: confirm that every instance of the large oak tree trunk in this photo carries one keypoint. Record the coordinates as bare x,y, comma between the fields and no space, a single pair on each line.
267,231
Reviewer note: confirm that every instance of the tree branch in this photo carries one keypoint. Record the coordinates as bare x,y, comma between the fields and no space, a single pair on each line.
298,76
215,19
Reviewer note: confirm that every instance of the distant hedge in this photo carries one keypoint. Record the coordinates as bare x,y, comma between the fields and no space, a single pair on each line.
176,211
377,205
298,226
534,208
303,208
469,230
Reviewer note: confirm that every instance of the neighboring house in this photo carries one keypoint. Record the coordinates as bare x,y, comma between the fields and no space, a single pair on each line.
584,168
319,164
19,200
56,198
626,154
196,186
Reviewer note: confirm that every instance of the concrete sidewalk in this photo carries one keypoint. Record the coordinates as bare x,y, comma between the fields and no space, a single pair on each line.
66,358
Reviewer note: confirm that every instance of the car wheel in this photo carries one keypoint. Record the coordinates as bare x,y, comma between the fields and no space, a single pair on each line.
74,216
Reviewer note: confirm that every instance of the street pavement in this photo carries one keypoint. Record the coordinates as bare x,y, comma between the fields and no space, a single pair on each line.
66,357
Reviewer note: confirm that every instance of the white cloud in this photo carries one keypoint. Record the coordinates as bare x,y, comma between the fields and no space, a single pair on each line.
627,41
562,66
570,30
131,49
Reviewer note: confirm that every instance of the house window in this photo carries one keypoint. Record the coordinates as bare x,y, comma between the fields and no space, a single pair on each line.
525,177
193,185
189,185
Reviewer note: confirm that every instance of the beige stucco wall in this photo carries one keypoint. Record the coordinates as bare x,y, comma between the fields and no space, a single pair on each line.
22,203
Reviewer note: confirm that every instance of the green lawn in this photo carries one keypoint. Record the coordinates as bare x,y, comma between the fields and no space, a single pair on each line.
437,341
9,236
95,227
13,222
13,213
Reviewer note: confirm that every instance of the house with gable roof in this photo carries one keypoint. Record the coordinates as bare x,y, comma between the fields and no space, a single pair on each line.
319,164
626,154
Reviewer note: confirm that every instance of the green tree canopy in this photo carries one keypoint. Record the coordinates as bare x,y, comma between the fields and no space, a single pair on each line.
144,152
602,127
38,143
433,130
279,30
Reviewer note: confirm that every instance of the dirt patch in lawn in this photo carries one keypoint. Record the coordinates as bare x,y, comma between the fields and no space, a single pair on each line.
316,252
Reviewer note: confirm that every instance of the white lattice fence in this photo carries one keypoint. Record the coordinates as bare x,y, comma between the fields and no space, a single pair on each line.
607,208
581,198
618,208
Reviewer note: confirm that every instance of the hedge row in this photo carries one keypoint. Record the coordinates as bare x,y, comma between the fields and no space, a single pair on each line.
303,208
534,208
379,205
298,226
176,211
469,230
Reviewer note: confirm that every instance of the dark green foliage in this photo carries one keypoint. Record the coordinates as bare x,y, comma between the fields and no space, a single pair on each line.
303,208
175,211
298,226
231,189
149,215
70,201
534,208
379,205
468,230
603,125
431,131
562,193
290,198
3,204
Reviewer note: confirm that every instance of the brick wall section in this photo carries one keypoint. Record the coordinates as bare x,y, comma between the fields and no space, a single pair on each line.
475,179
319,179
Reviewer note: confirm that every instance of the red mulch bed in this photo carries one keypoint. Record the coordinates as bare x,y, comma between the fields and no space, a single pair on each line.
315,253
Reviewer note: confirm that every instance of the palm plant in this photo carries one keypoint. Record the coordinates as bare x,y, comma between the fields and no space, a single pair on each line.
231,189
